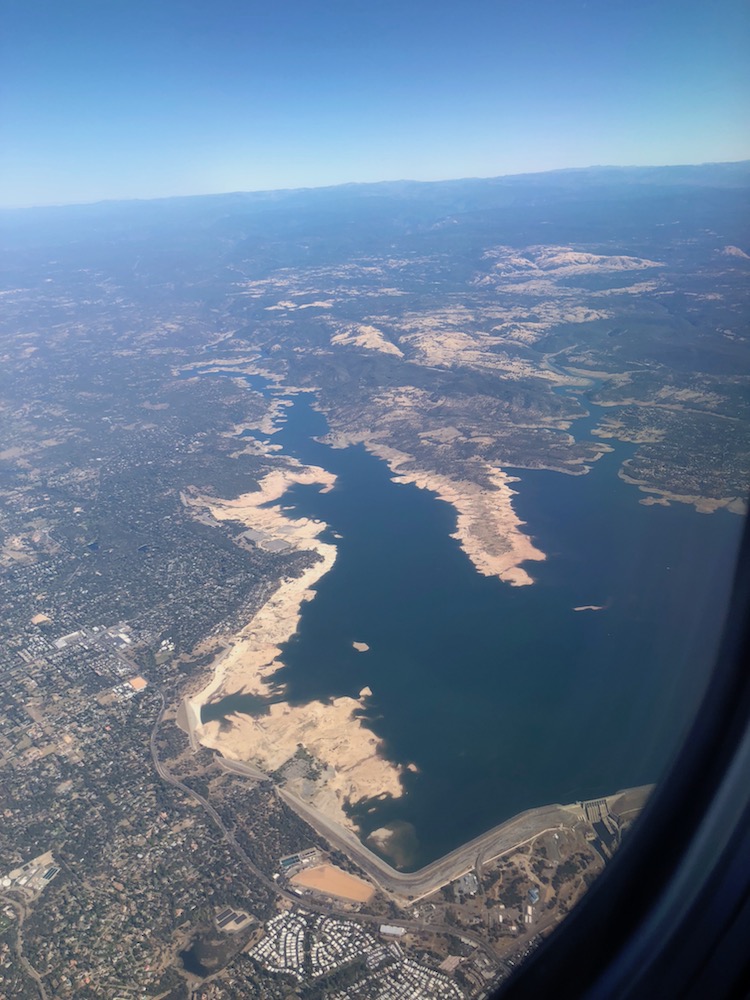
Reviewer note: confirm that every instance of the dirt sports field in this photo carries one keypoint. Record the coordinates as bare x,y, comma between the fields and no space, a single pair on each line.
334,882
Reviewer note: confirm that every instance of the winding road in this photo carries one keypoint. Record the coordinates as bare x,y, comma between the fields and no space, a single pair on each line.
26,965
417,927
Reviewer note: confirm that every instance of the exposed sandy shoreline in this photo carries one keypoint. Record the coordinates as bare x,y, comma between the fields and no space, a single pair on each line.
488,528
703,505
347,751
502,839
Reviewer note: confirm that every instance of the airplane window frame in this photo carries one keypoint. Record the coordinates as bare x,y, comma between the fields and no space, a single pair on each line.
670,915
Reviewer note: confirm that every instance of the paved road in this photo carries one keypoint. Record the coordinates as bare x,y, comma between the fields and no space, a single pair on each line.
25,963
414,926
412,886
240,767
227,834
501,839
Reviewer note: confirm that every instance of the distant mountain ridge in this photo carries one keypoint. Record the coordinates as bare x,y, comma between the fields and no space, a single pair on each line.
729,174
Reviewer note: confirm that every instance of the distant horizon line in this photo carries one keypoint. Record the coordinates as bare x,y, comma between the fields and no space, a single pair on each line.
352,184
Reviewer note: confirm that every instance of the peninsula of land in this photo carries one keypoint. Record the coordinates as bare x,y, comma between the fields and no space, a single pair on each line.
487,527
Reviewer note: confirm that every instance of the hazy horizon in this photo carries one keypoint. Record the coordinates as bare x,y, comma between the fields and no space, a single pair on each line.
381,181
114,102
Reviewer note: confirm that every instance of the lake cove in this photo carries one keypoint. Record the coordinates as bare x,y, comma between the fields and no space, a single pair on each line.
502,698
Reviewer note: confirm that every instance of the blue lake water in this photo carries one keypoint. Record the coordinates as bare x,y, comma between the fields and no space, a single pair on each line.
505,698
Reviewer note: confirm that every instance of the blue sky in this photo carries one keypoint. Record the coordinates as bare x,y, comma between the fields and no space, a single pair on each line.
146,98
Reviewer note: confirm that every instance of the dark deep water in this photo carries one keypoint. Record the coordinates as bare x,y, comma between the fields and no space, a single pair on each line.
503,697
